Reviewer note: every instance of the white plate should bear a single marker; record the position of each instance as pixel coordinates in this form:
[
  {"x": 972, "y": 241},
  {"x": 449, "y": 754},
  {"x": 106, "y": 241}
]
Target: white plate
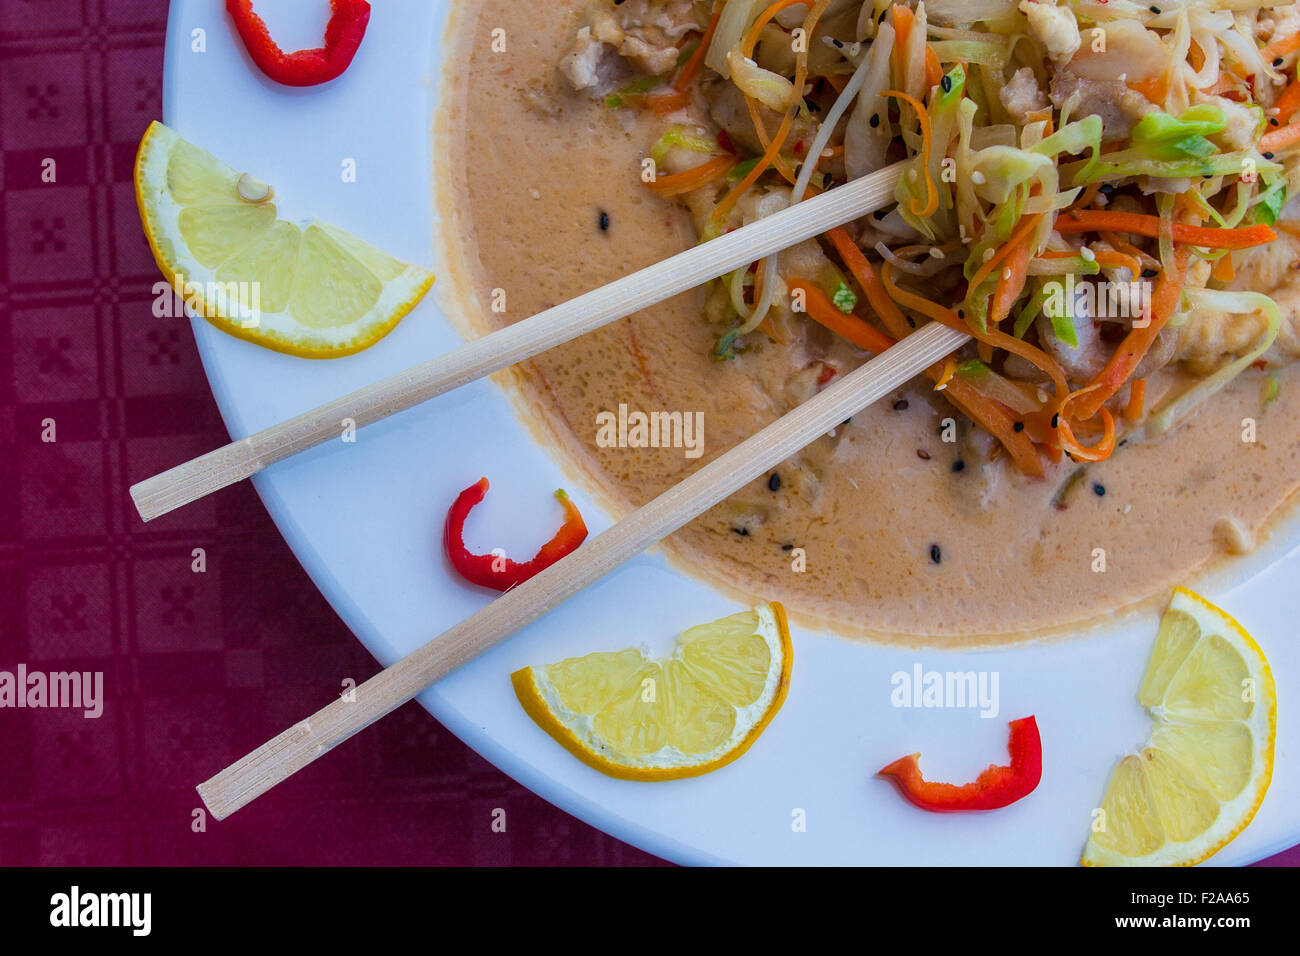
[{"x": 365, "y": 518}]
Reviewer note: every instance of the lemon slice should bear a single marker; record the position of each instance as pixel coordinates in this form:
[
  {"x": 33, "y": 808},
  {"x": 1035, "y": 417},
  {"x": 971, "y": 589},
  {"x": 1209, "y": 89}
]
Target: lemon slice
[
  {"x": 311, "y": 290},
  {"x": 642, "y": 719},
  {"x": 1207, "y": 764}
]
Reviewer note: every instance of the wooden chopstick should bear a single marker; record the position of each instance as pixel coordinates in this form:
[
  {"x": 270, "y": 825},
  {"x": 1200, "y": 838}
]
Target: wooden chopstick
[
  {"x": 217, "y": 469},
  {"x": 300, "y": 745}
]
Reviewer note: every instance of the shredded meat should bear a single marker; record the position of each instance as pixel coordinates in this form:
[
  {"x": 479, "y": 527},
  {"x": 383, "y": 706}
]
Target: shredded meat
[
  {"x": 1118, "y": 106},
  {"x": 1022, "y": 97}
]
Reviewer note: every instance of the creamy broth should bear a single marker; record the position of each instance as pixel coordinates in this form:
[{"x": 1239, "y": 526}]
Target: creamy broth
[{"x": 897, "y": 543}]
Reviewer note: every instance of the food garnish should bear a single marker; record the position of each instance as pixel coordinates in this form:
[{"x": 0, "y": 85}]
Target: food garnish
[
  {"x": 1133, "y": 148},
  {"x": 996, "y": 787},
  {"x": 343, "y": 35},
  {"x": 639, "y": 718},
  {"x": 495, "y": 570},
  {"x": 1208, "y": 761},
  {"x": 312, "y": 290}
]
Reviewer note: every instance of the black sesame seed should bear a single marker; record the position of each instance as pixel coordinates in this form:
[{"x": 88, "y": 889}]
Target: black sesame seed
[
  {"x": 774, "y": 483},
  {"x": 1155, "y": 10},
  {"x": 1148, "y": 273},
  {"x": 743, "y": 532},
  {"x": 839, "y": 44},
  {"x": 847, "y": 421},
  {"x": 1018, "y": 427},
  {"x": 604, "y": 221},
  {"x": 882, "y": 15},
  {"x": 1277, "y": 61},
  {"x": 1272, "y": 121},
  {"x": 936, "y": 554},
  {"x": 1268, "y": 155},
  {"x": 910, "y": 321},
  {"x": 959, "y": 465},
  {"x": 946, "y": 83},
  {"x": 1107, "y": 189},
  {"x": 874, "y": 121},
  {"x": 1056, "y": 420},
  {"x": 787, "y": 547},
  {"x": 961, "y": 313},
  {"x": 900, "y": 405},
  {"x": 1099, "y": 490}
]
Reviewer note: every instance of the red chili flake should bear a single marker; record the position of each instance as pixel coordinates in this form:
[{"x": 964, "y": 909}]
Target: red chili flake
[{"x": 828, "y": 373}]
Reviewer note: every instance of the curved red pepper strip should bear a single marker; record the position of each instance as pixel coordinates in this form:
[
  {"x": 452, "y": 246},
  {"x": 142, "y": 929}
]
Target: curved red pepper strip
[
  {"x": 348, "y": 20},
  {"x": 995, "y": 787},
  {"x": 493, "y": 571}
]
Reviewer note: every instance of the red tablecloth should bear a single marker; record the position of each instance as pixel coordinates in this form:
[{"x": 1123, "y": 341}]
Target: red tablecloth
[{"x": 198, "y": 667}]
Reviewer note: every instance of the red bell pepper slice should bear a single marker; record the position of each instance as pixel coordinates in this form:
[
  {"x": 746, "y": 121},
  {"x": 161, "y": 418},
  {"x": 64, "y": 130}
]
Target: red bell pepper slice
[
  {"x": 348, "y": 20},
  {"x": 495, "y": 571},
  {"x": 995, "y": 787}
]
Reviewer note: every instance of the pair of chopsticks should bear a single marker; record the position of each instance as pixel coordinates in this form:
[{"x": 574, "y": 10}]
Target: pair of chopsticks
[{"x": 300, "y": 745}]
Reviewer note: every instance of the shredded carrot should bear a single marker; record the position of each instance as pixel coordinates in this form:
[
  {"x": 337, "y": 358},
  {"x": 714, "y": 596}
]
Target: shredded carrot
[
  {"x": 870, "y": 284},
  {"x": 903, "y": 19},
  {"x": 822, "y": 310},
  {"x": 984, "y": 411},
  {"x": 1223, "y": 269},
  {"x": 1288, "y": 103},
  {"x": 1098, "y": 452},
  {"x": 1283, "y": 47},
  {"x": 692, "y": 67},
  {"x": 933, "y": 68},
  {"x": 1118, "y": 260},
  {"x": 1155, "y": 89},
  {"x": 670, "y": 101},
  {"x": 702, "y": 175},
  {"x": 1139, "y": 224},
  {"x": 1001, "y": 340},
  {"x": 1011, "y": 282},
  {"x": 1137, "y": 396},
  {"x": 1026, "y": 226},
  {"x": 1145, "y": 259},
  {"x": 949, "y": 370},
  {"x": 772, "y": 152},
  {"x": 747, "y": 49},
  {"x": 994, "y": 418},
  {"x": 1280, "y": 139},
  {"x": 1164, "y": 303},
  {"x": 927, "y": 136}
]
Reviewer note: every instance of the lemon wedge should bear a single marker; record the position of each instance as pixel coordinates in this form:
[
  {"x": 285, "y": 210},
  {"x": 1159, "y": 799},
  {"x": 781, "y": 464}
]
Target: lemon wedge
[
  {"x": 312, "y": 290},
  {"x": 1208, "y": 761},
  {"x": 643, "y": 719}
]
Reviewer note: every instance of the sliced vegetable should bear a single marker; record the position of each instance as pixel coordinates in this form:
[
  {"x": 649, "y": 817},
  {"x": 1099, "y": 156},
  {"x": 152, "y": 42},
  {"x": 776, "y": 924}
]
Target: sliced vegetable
[
  {"x": 494, "y": 570},
  {"x": 997, "y": 787},
  {"x": 1139, "y": 224},
  {"x": 343, "y": 36}
]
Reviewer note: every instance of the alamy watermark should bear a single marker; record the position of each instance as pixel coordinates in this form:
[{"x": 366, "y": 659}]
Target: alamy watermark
[
  {"x": 1098, "y": 300},
  {"x": 634, "y": 429},
  {"x": 239, "y": 302},
  {"x": 946, "y": 689},
  {"x": 74, "y": 690}
]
